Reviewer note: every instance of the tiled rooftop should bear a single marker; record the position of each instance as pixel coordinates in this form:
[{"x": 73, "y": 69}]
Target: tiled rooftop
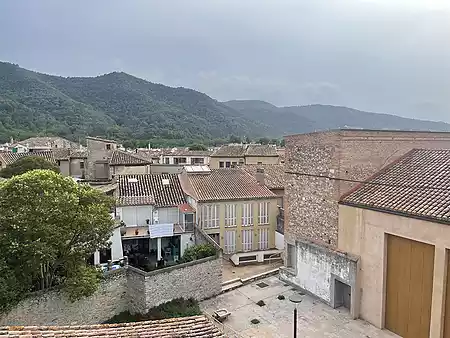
[
  {"x": 120, "y": 157},
  {"x": 274, "y": 176},
  {"x": 195, "y": 327},
  {"x": 418, "y": 184},
  {"x": 9, "y": 157},
  {"x": 261, "y": 150},
  {"x": 232, "y": 150},
  {"x": 48, "y": 141},
  {"x": 241, "y": 150},
  {"x": 162, "y": 190},
  {"x": 185, "y": 152},
  {"x": 223, "y": 185}
]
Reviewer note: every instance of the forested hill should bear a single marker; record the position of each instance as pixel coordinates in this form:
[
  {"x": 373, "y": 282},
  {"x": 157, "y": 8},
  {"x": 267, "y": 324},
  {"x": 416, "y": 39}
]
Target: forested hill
[
  {"x": 123, "y": 107},
  {"x": 302, "y": 119},
  {"x": 115, "y": 105}
]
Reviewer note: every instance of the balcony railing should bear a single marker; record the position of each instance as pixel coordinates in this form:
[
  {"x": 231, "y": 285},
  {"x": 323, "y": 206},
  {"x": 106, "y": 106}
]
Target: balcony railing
[{"x": 130, "y": 231}]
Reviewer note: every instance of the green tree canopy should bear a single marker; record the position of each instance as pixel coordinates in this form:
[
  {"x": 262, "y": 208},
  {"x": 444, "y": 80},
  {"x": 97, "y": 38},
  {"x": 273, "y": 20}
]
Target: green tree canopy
[
  {"x": 49, "y": 226},
  {"x": 27, "y": 163},
  {"x": 264, "y": 140},
  {"x": 197, "y": 146},
  {"x": 234, "y": 139}
]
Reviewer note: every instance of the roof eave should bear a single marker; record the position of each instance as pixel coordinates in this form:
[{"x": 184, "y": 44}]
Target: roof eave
[{"x": 395, "y": 212}]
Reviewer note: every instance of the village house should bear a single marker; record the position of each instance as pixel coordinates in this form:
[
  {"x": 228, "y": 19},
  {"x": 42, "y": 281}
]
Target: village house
[
  {"x": 238, "y": 213},
  {"x": 43, "y": 143},
  {"x": 320, "y": 168},
  {"x": 184, "y": 156},
  {"x": 398, "y": 224},
  {"x": 105, "y": 160},
  {"x": 156, "y": 220},
  {"x": 232, "y": 155},
  {"x": 273, "y": 177}
]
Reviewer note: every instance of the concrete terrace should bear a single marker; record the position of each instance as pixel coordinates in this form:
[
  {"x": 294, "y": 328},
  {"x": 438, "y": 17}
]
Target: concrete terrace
[{"x": 315, "y": 319}]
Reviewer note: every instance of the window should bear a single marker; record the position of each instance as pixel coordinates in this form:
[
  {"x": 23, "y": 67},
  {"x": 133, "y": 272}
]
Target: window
[
  {"x": 166, "y": 160},
  {"x": 233, "y": 164},
  {"x": 81, "y": 165},
  {"x": 227, "y": 164},
  {"x": 247, "y": 214},
  {"x": 197, "y": 160},
  {"x": 259, "y": 162},
  {"x": 210, "y": 216},
  {"x": 291, "y": 261},
  {"x": 221, "y": 164},
  {"x": 263, "y": 216},
  {"x": 230, "y": 215},
  {"x": 263, "y": 239},
  {"x": 108, "y": 147},
  {"x": 247, "y": 240},
  {"x": 230, "y": 242}
]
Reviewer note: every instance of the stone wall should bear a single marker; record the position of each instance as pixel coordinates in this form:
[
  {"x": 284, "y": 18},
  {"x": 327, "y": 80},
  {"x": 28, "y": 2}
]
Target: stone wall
[
  {"x": 199, "y": 279},
  {"x": 126, "y": 289},
  {"x": 311, "y": 209},
  {"x": 53, "y": 308},
  {"x": 316, "y": 270}
]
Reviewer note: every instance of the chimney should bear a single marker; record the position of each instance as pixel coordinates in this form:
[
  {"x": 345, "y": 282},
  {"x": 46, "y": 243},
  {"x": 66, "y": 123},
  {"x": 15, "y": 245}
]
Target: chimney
[{"x": 260, "y": 176}]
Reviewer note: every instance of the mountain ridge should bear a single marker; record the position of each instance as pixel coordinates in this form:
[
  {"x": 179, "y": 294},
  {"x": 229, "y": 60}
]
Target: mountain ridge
[{"x": 124, "y": 107}]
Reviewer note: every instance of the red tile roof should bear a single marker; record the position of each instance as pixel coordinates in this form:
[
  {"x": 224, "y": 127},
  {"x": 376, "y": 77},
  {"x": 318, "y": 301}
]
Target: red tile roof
[
  {"x": 416, "y": 185},
  {"x": 196, "y": 326},
  {"x": 9, "y": 157},
  {"x": 162, "y": 190},
  {"x": 224, "y": 185},
  {"x": 274, "y": 176},
  {"x": 120, "y": 157}
]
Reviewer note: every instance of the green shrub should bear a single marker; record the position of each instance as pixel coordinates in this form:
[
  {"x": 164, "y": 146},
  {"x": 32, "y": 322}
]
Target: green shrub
[
  {"x": 178, "y": 307},
  {"x": 198, "y": 252}
]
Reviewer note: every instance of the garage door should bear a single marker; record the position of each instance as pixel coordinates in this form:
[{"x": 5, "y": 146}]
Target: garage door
[
  {"x": 409, "y": 285},
  {"x": 447, "y": 301}
]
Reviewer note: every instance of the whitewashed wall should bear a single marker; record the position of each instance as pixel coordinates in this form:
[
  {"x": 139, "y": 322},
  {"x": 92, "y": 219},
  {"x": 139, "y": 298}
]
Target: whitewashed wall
[{"x": 135, "y": 215}]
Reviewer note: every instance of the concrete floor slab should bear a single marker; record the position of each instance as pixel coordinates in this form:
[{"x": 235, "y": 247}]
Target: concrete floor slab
[
  {"x": 315, "y": 319},
  {"x": 229, "y": 271}
]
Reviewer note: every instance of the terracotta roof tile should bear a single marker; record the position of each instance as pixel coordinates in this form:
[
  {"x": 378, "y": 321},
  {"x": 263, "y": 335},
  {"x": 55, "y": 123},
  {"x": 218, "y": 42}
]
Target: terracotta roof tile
[
  {"x": 223, "y": 185},
  {"x": 418, "y": 184},
  {"x": 162, "y": 190},
  {"x": 274, "y": 176},
  {"x": 231, "y": 150},
  {"x": 196, "y": 326},
  {"x": 120, "y": 157},
  {"x": 261, "y": 150},
  {"x": 47, "y": 141},
  {"x": 9, "y": 157}
]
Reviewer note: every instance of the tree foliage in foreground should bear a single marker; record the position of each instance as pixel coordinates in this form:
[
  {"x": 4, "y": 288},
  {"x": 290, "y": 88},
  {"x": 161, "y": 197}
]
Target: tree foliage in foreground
[
  {"x": 49, "y": 226},
  {"x": 26, "y": 164}
]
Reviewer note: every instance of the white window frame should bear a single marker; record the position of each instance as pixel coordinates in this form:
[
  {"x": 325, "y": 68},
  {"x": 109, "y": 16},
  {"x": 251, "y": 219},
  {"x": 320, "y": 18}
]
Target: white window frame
[
  {"x": 263, "y": 213},
  {"x": 210, "y": 216},
  {"x": 247, "y": 214},
  {"x": 263, "y": 240},
  {"x": 229, "y": 246},
  {"x": 230, "y": 215},
  {"x": 247, "y": 240}
]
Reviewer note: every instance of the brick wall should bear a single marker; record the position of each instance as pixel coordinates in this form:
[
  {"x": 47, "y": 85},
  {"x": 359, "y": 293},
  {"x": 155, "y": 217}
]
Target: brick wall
[
  {"x": 311, "y": 209},
  {"x": 53, "y": 308}
]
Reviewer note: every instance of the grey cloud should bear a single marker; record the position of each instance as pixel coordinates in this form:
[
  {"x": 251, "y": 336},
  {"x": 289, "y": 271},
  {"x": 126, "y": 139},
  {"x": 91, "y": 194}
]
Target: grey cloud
[{"x": 383, "y": 55}]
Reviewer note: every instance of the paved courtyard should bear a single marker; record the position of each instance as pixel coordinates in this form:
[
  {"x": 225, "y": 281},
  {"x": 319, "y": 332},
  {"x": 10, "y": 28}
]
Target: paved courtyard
[
  {"x": 230, "y": 271},
  {"x": 315, "y": 319}
]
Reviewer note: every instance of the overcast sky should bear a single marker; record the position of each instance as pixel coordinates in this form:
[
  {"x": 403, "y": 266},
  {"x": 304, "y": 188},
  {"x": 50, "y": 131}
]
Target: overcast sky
[{"x": 379, "y": 55}]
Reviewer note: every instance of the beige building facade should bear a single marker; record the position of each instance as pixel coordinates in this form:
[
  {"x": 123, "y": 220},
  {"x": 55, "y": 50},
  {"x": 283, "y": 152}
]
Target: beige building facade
[{"x": 365, "y": 233}]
